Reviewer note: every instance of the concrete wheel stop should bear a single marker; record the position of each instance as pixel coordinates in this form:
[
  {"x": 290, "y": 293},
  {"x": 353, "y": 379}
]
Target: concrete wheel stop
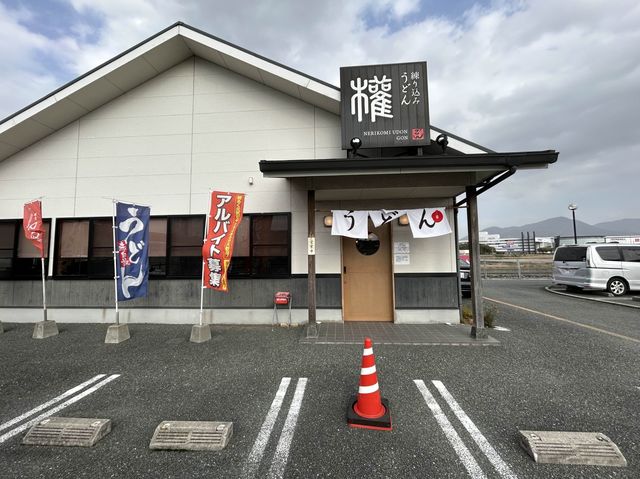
[
  {"x": 564, "y": 447},
  {"x": 200, "y": 333},
  {"x": 45, "y": 329},
  {"x": 67, "y": 431},
  {"x": 117, "y": 333},
  {"x": 192, "y": 435}
]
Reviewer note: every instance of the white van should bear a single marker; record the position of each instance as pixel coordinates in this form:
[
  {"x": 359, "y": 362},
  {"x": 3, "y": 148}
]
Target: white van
[{"x": 605, "y": 266}]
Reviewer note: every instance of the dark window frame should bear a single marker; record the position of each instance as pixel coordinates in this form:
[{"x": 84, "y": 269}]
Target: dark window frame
[
  {"x": 168, "y": 266},
  {"x": 624, "y": 255},
  {"x": 251, "y": 274},
  {"x": 155, "y": 276},
  {"x": 180, "y": 275},
  {"x": 15, "y": 273},
  {"x": 89, "y": 257},
  {"x": 570, "y": 254},
  {"x": 603, "y": 250}
]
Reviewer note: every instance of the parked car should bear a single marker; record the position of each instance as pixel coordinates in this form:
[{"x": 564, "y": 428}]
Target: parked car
[
  {"x": 465, "y": 277},
  {"x": 601, "y": 267}
]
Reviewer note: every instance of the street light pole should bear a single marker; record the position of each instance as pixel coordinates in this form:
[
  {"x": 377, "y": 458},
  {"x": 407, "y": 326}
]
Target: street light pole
[{"x": 573, "y": 209}]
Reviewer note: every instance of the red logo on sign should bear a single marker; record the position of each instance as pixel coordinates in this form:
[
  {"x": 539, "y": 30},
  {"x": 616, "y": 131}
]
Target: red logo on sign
[
  {"x": 123, "y": 252},
  {"x": 437, "y": 216},
  {"x": 417, "y": 134}
]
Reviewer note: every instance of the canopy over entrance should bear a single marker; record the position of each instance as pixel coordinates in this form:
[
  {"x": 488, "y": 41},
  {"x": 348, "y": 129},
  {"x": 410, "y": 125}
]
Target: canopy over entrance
[{"x": 422, "y": 176}]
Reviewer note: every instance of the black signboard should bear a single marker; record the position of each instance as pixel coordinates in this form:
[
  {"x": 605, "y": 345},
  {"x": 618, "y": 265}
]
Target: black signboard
[{"x": 385, "y": 105}]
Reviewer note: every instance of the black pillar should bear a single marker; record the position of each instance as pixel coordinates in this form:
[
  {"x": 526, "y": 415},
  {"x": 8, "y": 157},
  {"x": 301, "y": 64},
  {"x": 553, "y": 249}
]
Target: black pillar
[
  {"x": 312, "y": 329},
  {"x": 456, "y": 239},
  {"x": 477, "y": 330}
]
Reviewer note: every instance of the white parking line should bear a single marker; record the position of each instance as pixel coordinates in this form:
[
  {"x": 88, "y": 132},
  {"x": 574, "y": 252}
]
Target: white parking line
[
  {"x": 495, "y": 459},
  {"x": 255, "y": 456},
  {"x": 45, "y": 405},
  {"x": 58, "y": 408},
  {"x": 461, "y": 450},
  {"x": 282, "y": 450}
]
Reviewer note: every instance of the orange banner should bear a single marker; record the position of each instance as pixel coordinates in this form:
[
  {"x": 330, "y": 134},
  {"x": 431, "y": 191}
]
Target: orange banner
[
  {"x": 32, "y": 224},
  {"x": 224, "y": 218}
]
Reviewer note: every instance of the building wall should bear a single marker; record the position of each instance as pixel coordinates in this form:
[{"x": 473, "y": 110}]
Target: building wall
[{"x": 166, "y": 143}]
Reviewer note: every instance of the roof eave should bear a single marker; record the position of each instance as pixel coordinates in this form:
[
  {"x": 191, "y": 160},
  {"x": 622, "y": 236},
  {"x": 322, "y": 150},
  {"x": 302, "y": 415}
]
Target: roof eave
[{"x": 406, "y": 165}]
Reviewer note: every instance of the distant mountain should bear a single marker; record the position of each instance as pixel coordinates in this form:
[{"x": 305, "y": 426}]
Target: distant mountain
[
  {"x": 626, "y": 226},
  {"x": 561, "y": 226}
]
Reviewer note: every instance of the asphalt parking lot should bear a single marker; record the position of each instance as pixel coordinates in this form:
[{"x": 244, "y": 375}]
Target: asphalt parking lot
[{"x": 547, "y": 374}]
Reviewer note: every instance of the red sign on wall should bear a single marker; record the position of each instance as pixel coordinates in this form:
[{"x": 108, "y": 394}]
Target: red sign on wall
[{"x": 224, "y": 218}]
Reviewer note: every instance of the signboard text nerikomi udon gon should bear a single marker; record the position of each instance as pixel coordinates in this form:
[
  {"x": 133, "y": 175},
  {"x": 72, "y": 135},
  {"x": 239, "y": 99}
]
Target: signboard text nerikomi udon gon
[{"x": 385, "y": 105}]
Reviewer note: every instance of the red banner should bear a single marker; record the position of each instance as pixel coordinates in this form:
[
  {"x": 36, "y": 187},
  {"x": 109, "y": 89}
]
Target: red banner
[
  {"x": 224, "y": 219},
  {"x": 32, "y": 224}
]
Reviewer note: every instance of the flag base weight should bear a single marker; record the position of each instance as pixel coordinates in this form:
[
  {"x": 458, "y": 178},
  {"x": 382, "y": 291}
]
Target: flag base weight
[
  {"x": 45, "y": 329},
  {"x": 382, "y": 423},
  {"x": 200, "y": 333},
  {"x": 117, "y": 333}
]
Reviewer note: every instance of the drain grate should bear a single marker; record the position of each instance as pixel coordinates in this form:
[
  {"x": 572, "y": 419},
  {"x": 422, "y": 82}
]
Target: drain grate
[
  {"x": 192, "y": 435},
  {"x": 557, "y": 447},
  {"x": 67, "y": 431}
]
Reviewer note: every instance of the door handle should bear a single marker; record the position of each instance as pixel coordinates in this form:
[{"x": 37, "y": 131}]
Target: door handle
[{"x": 344, "y": 268}]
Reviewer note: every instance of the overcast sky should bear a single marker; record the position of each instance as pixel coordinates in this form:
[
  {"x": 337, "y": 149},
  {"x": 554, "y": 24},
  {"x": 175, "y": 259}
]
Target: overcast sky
[{"x": 509, "y": 75}]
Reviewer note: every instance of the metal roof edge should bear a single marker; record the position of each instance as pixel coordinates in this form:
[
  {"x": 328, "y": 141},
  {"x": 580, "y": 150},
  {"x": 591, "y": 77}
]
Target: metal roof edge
[
  {"x": 90, "y": 72},
  {"x": 508, "y": 159},
  {"x": 175, "y": 25},
  {"x": 257, "y": 55},
  {"x": 464, "y": 140}
]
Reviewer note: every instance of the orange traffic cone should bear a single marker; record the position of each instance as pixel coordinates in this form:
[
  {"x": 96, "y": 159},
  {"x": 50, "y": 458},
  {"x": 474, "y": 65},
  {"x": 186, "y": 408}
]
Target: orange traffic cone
[{"x": 369, "y": 410}]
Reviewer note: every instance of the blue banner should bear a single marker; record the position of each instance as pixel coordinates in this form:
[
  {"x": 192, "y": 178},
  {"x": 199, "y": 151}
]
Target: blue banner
[{"x": 132, "y": 246}]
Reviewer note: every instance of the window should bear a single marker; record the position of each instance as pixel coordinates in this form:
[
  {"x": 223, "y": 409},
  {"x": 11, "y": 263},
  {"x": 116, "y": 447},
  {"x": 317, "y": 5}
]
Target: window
[
  {"x": 184, "y": 258},
  {"x": 631, "y": 253},
  {"x": 84, "y": 248},
  {"x": 369, "y": 246},
  {"x": 158, "y": 247},
  {"x": 571, "y": 253},
  {"x": 7, "y": 248},
  {"x": 608, "y": 253},
  {"x": 19, "y": 258},
  {"x": 262, "y": 246},
  {"x": 101, "y": 255}
]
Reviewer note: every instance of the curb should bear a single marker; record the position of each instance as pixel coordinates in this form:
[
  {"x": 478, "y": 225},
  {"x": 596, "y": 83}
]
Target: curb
[{"x": 561, "y": 293}]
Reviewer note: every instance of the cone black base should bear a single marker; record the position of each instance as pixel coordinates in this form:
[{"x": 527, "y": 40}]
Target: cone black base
[{"x": 382, "y": 423}]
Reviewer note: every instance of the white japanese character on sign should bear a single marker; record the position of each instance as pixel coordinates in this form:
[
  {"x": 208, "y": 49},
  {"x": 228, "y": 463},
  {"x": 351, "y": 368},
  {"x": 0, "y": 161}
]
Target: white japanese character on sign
[
  {"x": 222, "y": 218},
  {"x": 380, "y": 97},
  {"x": 214, "y": 279},
  {"x": 410, "y": 92},
  {"x": 359, "y": 100},
  {"x": 378, "y": 100},
  {"x": 214, "y": 265}
]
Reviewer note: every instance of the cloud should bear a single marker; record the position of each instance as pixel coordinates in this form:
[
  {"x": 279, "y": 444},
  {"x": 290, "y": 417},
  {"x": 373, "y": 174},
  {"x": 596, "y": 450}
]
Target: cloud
[{"x": 511, "y": 75}]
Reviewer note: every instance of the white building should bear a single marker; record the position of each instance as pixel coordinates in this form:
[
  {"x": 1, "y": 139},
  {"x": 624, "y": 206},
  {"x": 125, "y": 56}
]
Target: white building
[{"x": 184, "y": 112}]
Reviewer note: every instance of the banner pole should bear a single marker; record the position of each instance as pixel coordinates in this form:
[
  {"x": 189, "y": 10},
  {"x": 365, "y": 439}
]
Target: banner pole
[
  {"x": 115, "y": 261},
  {"x": 204, "y": 239},
  {"x": 44, "y": 290}
]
